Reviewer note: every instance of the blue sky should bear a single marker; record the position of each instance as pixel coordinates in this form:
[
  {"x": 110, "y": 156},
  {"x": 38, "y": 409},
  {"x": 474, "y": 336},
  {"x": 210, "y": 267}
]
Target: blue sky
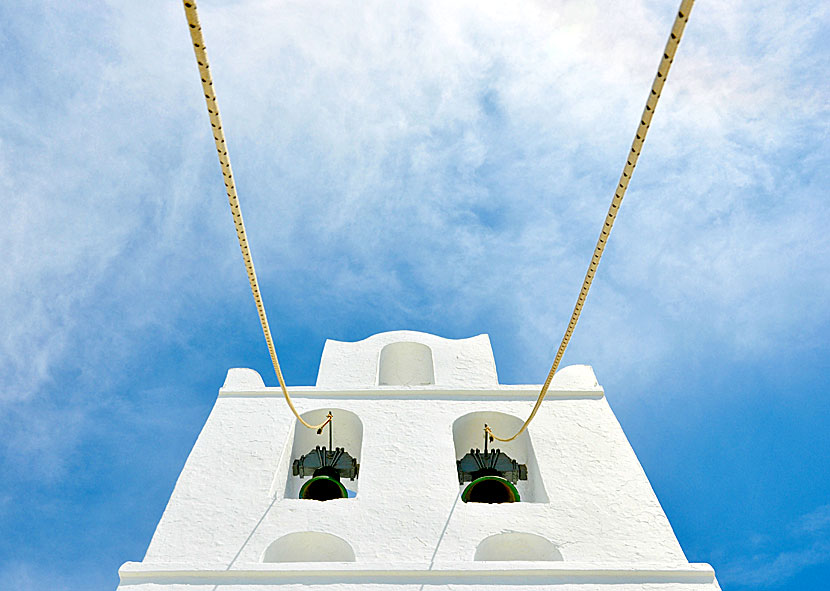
[{"x": 424, "y": 165}]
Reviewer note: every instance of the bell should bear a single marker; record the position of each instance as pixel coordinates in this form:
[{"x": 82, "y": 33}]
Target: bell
[
  {"x": 490, "y": 489},
  {"x": 326, "y": 469},
  {"x": 323, "y": 488}
]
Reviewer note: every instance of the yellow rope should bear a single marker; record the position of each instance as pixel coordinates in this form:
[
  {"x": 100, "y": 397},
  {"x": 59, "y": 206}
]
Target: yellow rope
[
  {"x": 233, "y": 199},
  {"x": 628, "y": 169}
]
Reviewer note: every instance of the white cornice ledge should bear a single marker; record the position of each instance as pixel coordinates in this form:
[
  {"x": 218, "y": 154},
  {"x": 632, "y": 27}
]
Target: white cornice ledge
[
  {"x": 503, "y": 392},
  {"x": 491, "y": 573}
]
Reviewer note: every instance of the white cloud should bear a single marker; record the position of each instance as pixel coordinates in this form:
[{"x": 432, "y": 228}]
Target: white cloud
[
  {"x": 807, "y": 546},
  {"x": 434, "y": 159},
  {"x": 773, "y": 570},
  {"x": 814, "y": 522},
  {"x": 416, "y": 163}
]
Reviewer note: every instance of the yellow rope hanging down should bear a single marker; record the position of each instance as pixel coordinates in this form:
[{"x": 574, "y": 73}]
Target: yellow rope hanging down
[
  {"x": 230, "y": 186},
  {"x": 628, "y": 169}
]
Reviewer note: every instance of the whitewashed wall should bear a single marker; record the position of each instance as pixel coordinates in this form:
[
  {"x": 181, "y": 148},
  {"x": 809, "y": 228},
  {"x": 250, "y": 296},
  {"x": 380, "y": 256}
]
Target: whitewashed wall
[{"x": 407, "y": 526}]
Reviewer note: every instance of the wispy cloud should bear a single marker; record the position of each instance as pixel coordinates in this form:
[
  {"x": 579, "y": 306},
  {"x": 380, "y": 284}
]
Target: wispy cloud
[
  {"x": 436, "y": 159},
  {"x": 814, "y": 522},
  {"x": 430, "y": 156},
  {"x": 778, "y": 568},
  {"x": 806, "y": 545},
  {"x": 418, "y": 163}
]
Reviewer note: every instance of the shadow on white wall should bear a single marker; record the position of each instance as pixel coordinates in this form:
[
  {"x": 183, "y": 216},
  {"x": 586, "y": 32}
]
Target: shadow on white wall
[
  {"x": 517, "y": 546},
  {"x": 309, "y": 546},
  {"x": 406, "y": 364}
]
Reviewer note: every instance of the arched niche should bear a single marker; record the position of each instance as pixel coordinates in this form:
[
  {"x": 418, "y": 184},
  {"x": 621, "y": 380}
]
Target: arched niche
[
  {"x": 468, "y": 433},
  {"x": 347, "y": 433},
  {"x": 309, "y": 546},
  {"x": 405, "y": 364},
  {"x": 517, "y": 546}
]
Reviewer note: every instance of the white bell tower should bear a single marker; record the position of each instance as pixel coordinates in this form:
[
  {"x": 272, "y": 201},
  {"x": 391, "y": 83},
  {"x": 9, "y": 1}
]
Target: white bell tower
[{"x": 402, "y": 491}]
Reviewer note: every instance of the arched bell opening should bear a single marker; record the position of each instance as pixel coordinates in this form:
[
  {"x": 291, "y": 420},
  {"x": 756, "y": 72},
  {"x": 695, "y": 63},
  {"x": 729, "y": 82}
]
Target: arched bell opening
[
  {"x": 325, "y": 463},
  {"x": 490, "y": 489},
  {"x": 492, "y": 471}
]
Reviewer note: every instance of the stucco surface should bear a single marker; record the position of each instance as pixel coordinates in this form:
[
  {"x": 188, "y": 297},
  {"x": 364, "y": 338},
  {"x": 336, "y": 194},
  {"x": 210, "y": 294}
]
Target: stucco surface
[
  {"x": 428, "y": 587},
  {"x": 457, "y": 362},
  {"x": 229, "y": 503}
]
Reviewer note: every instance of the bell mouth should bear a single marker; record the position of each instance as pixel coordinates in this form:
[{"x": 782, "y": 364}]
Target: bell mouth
[
  {"x": 323, "y": 488},
  {"x": 490, "y": 489}
]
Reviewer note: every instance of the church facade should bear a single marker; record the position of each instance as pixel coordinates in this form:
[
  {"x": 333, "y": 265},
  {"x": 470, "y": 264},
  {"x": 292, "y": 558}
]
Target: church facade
[{"x": 403, "y": 489}]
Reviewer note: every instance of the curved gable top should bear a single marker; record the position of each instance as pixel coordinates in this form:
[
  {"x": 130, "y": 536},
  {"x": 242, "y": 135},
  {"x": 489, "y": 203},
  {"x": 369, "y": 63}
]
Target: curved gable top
[{"x": 456, "y": 363}]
